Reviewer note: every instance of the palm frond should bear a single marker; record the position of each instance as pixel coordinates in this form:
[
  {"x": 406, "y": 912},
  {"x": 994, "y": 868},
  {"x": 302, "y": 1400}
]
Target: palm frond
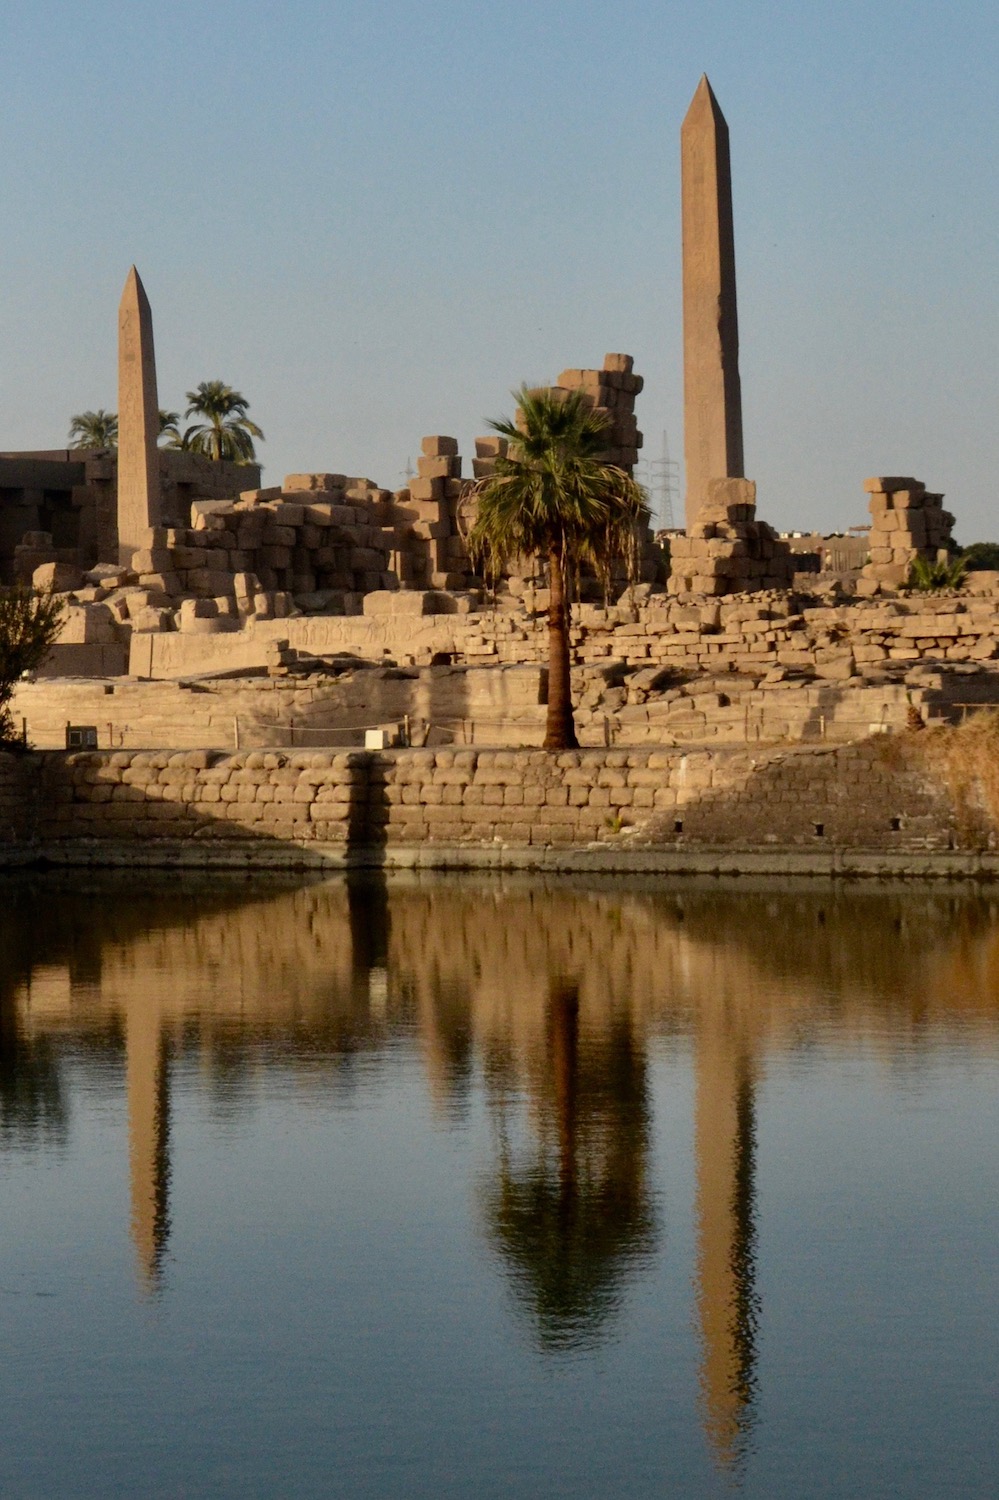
[{"x": 94, "y": 429}]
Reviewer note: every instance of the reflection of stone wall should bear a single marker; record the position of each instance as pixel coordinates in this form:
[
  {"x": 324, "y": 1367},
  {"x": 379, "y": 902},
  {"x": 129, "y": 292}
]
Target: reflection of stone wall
[{"x": 545, "y": 1000}]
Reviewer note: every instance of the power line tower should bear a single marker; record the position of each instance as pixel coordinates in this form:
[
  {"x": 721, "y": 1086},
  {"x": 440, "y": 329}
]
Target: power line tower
[{"x": 661, "y": 477}]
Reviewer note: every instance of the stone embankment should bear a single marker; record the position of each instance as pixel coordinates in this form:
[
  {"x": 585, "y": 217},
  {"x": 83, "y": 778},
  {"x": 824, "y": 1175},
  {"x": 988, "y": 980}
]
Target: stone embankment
[{"x": 875, "y": 800}]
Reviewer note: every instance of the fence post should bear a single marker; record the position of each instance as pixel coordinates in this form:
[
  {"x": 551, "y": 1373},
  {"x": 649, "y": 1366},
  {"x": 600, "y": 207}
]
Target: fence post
[{"x": 235, "y": 731}]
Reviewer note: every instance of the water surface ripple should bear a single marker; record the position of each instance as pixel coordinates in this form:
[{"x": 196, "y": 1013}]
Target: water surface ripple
[{"x": 435, "y": 1187}]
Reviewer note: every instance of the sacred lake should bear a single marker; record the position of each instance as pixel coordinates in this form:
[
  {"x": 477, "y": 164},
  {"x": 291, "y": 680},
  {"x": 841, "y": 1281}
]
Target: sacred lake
[{"x": 497, "y": 1186}]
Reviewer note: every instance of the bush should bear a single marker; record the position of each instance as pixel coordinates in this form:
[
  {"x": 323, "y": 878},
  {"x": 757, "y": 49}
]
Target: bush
[
  {"x": 927, "y": 577},
  {"x": 29, "y": 625}
]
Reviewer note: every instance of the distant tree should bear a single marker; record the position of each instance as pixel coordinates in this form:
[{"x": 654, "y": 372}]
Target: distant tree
[
  {"x": 555, "y": 498},
  {"x": 981, "y": 557},
  {"x": 226, "y": 431},
  {"x": 29, "y": 625},
  {"x": 170, "y": 429},
  {"x": 94, "y": 429}
]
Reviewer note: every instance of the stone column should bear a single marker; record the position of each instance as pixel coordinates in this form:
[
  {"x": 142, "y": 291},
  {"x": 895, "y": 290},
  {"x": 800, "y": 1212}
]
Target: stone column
[
  {"x": 138, "y": 421},
  {"x": 712, "y": 394}
]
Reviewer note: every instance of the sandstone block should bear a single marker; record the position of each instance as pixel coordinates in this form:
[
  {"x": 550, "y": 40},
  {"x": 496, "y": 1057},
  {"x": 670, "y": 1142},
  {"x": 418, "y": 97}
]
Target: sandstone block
[
  {"x": 890, "y": 483},
  {"x": 183, "y": 559},
  {"x": 57, "y": 578},
  {"x": 168, "y": 584},
  {"x": 427, "y": 489},
  {"x": 88, "y": 625},
  {"x": 439, "y": 447},
  {"x": 152, "y": 621},
  {"x": 314, "y": 482},
  {"x": 439, "y": 467},
  {"x": 152, "y": 560},
  {"x": 254, "y": 497}
]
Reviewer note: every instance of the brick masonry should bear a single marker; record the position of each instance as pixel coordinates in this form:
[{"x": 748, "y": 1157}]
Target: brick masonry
[{"x": 875, "y": 796}]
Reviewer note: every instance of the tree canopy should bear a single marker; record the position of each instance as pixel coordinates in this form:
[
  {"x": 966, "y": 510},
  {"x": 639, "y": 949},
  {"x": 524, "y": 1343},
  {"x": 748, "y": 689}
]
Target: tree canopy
[
  {"x": 94, "y": 429},
  {"x": 226, "y": 431},
  {"x": 29, "y": 625}
]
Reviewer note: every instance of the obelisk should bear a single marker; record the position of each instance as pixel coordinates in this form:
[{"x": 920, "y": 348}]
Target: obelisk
[
  {"x": 712, "y": 397},
  {"x": 138, "y": 421}
]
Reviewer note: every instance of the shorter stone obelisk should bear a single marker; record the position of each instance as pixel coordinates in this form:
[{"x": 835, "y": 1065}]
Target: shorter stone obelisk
[
  {"x": 138, "y": 421},
  {"x": 712, "y": 396}
]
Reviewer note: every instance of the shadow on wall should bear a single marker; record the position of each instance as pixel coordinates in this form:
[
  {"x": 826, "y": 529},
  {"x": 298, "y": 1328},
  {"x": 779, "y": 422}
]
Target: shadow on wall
[{"x": 868, "y": 796}]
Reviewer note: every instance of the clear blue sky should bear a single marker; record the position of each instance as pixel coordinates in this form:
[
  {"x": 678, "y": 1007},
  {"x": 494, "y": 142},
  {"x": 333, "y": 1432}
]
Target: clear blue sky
[{"x": 375, "y": 217}]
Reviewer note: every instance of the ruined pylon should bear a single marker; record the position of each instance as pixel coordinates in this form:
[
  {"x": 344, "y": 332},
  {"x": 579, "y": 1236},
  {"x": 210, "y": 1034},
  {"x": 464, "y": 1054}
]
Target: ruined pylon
[
  {"x": 138, "y": 421},
  {"x": 711, "y": 391}
]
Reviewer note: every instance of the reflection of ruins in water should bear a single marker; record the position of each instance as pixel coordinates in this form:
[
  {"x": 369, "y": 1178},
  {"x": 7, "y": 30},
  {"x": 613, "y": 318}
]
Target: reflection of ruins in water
[
  {"x": 548, "y": 996},
  {"x": 571, "y": 1212}
]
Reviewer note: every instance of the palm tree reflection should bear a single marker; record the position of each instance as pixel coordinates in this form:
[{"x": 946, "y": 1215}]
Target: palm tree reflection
[{"x": 571, "y": 1214}]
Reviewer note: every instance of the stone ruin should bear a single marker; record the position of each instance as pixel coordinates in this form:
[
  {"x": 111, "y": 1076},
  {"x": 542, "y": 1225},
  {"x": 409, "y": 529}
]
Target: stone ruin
[
  {"x": 726, "y": 550},
  {"x": 907, "y": 522},
  {"x": 612, "y": 391}
]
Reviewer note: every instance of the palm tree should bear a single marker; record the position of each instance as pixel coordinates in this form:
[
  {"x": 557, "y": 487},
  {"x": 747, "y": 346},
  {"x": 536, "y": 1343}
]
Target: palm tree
[
  {"x": 553, "y": 496},
  {"x": 227, "y": 431},
  {"x": 170, "y": 429},
  {"x": 94, "y": 429}
]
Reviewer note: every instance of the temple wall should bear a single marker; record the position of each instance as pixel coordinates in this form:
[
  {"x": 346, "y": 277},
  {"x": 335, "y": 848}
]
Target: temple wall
[
  {"x": 261, "y": 806},
  {"x": 745, "y": 672}
]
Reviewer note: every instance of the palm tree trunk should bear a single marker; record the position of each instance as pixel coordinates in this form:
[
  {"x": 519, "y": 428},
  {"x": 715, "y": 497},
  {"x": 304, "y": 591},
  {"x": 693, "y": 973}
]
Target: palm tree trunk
[
  {"x": 563, "y": 1022},
  {"x": 560, "y": 730}
]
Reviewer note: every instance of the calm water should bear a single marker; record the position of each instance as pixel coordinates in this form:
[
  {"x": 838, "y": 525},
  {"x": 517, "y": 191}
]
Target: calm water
[{"x": 469, "y": 1188}]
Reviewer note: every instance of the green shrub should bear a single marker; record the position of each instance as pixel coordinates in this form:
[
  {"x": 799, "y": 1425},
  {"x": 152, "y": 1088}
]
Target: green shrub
[
  {"x": 926, "y": 577},
  {"x": 29, "y": 625}
]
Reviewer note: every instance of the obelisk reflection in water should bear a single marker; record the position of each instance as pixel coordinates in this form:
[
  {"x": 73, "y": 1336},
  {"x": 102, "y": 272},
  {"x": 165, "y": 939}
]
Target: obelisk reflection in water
[
  {"x": 545, "y": 1007},
  {"x": 148, "y": 1083},
  {"x": 725, "y": 1144}
]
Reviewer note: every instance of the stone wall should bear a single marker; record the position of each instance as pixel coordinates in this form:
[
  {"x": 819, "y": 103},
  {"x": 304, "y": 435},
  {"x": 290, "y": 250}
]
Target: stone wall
[
  {"x": 745, "y": 671},
  {"x": 727, "y": 550},
  {"x": 833, "y": 639},
  {"x": 19, "y": 783},
  {"x": 874, "y": 796},
  {"x": 62, "y": 507},
  {"x": 496, "y": 705},
  {"x": 906, "y": 523}
]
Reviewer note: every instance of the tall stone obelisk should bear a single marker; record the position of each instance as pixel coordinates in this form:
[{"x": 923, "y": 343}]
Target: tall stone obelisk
[
  {"x": 712, "y": 396},
  {"x": 138, "y": 420}
]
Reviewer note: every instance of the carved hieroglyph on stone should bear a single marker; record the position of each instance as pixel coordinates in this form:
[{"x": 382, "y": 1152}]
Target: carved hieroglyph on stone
[
  {"x": 711, "y": 391},
  {"x": 138, "y": 421}
]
